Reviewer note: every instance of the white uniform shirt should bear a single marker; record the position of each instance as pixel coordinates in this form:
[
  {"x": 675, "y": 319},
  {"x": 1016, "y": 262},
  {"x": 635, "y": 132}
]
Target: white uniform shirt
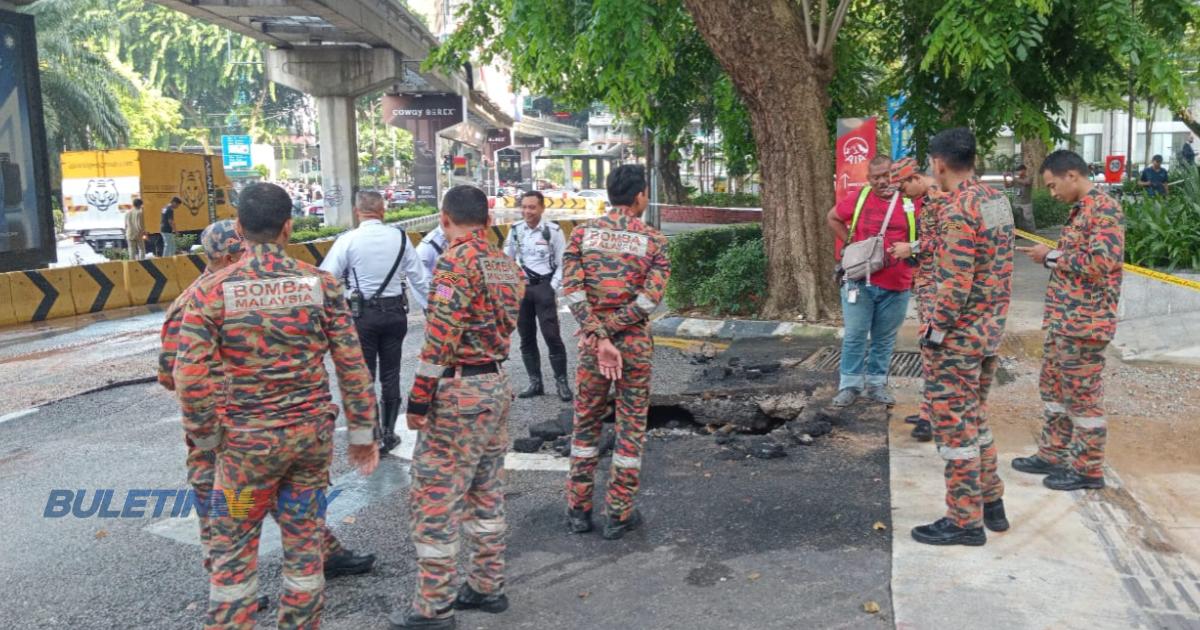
[
  {"x": 431, "y": 248},
  {"x": 369, "y": 252},
  {"x": 536, "y": 252}
]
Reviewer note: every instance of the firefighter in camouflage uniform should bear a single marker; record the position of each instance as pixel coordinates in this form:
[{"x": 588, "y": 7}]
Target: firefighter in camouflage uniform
[
  {"x": 459, "y": 403},
  {"x": 615, "y": 270},
  {"x": 923, "y": 252},
  {"x": 1080, "y": 319},
  {"x": 223, "y": 246},
  {"x": 960, "y": 338},
  {"x": 252, "y": 385}
]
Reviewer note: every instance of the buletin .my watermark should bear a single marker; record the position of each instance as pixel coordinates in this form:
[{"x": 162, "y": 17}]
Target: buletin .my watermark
[{"x": 181, "y": 502}]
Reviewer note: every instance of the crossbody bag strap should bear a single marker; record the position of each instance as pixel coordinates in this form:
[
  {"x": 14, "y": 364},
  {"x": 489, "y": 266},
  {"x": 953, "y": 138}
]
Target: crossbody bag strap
[
  {"x": 887, "y": 218},
  {"x": 392, "y": 272}
]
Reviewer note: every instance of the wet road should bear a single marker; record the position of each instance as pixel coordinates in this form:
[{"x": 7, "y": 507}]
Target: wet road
[{"x": 782, "y": 543}]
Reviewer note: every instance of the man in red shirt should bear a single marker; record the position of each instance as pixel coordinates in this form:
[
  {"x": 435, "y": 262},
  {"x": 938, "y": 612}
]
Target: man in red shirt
[{"x": 873, "y": 308}]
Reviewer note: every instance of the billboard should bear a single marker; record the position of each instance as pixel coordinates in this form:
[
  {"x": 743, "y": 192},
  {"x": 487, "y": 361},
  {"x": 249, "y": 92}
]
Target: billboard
[
  {"x": 235, "y": 152},
  {"x": 901, "y": 130},
  {"x": 424, "y": 115},
  {"x": 26, "y": 217},
  {"x": 855, "y": 148}
]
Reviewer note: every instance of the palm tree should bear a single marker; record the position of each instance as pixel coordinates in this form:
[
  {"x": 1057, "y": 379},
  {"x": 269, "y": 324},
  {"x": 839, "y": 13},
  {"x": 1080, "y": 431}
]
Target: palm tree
[{"x": 79, "y": 84}]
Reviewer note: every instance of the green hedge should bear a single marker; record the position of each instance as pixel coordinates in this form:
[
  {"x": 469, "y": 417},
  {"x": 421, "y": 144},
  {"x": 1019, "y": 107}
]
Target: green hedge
[
  {"x": 1164, "y": 232},
  {"x": 727, "y": 200},
  {"x": 409, "y": 212},
  {"x": 1048, "y": 211},
  {"x": 722, "y": 270},
  {"x": 303, "y": 236}
]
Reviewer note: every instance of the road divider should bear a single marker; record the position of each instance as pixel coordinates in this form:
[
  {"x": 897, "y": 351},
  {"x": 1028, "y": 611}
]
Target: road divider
[
  {"x": 34, "y": 296},
  {"x": 42, "y": 294},
  {"x": 99, "y": 287},
  {"x": 153, "y": 280},
  {"x": 7, "y": 316},
  {"x": 1135, "y": 269},
  {"x": 189, "y": 267}
]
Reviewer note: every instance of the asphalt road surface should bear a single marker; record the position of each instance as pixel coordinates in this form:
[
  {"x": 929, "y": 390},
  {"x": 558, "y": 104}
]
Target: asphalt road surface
[{"x": 729, "y": 543}]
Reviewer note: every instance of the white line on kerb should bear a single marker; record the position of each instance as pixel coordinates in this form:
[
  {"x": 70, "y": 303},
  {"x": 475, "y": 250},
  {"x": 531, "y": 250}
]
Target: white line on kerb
[{"x": 18, "y": 414}]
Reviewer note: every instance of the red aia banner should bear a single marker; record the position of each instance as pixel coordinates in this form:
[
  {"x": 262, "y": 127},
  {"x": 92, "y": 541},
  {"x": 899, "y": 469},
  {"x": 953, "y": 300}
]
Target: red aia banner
[{"x": 855, "y": 148}]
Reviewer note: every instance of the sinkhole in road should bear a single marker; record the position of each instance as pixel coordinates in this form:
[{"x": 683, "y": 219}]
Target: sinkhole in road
[{"x": 671, "y": 417}]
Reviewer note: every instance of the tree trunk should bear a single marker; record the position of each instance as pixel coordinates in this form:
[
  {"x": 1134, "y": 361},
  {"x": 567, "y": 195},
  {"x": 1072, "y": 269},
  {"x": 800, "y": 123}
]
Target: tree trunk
[
  {"x": 1074, "y": 141},
  {"x": 1033, "y": 153},
  {"x": 1149, "y": 129},
  {"x": 1185, "y": 116},
  {"x": 761, "y": 44},
  {"x": 672, "y": 182}
]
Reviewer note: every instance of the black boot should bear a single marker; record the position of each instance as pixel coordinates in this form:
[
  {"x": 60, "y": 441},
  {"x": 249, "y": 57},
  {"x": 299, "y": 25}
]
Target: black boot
[
  {"x": 615, "y": 528},
  {"x": 1070, "y": 480},
  {"x": 945, "y": 532},
  {"x": 994, "y": 517},
  {"x": 558, "y": 362},
  {"x": 923, "y": 431},
  {"x": 409, "y": 620},
  {"x": 579, "y": 521},
  {"x": 471, "y": 599},
  {"x": 1034, "y": 465},
  {"x": 346, "y": 562},
  {"x": 533, "y": 368},
  {"x": 263, "y": 603},
  {"x": 391, "y": 411}
]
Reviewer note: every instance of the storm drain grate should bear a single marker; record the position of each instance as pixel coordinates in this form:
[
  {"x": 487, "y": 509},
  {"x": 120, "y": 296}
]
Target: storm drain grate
[{"x": 905, "y": 364}]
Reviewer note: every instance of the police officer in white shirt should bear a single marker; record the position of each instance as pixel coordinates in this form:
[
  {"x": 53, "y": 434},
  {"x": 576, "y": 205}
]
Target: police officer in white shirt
[
  {"x": 373, "y": 261},
  {"x": 538, "y": 246},
  {"x": 431, "y": 247}
]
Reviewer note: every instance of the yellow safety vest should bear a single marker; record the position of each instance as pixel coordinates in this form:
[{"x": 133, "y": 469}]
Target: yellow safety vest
[{"x": 910, "y": 212}]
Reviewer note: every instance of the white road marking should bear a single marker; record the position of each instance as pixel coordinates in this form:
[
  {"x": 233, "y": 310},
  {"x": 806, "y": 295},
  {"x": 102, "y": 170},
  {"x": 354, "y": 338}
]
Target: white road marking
[
  {"x": 536, "y": 461},
  {"x": 19, "y": 414}
]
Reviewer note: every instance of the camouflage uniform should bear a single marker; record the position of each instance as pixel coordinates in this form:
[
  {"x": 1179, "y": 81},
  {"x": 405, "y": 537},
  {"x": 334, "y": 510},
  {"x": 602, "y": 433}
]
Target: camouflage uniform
[
  {"x": 1080, "y": 320},
  {"x": 965, "y": 324},
  {"x": 615, "y": 270},
  {"x": 458, "y": 478},
  {"x": 252, "y": 382},
  {"x": 218, "y": 238}
]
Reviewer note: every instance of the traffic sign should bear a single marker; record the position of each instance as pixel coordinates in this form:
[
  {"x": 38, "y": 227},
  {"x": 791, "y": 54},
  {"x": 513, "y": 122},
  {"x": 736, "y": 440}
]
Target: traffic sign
[{"x": 235, "y": 151}]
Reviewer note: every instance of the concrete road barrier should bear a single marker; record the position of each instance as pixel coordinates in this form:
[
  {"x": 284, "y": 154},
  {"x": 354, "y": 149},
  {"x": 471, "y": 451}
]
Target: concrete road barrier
[
  {"x": 7, "y": 316},
  {"x": 188, "y": 268},
  {"x": 42, "y": 294},
  {"x": 98, "y": 287},
  {"x": 153, "y": 280}
]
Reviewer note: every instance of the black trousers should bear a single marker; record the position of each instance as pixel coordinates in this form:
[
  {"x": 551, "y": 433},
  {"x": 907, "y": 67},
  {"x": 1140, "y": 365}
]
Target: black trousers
[
  {"x": 381, "y": 332},
  {"x": 539, "y": 309}
]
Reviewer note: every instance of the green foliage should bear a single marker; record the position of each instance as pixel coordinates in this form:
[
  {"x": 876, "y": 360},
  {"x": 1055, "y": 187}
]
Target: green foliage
[
  {"x": 304, "y": 236},
  {"x": 1165, "y": 232},
  {"x": 696, "y": 259},
  {"x": 302, "y": 224},
  {"x": 1048, "y": 211},
  {"x": 58, "y": 221},
  {"x": 727, "y": 200},
  {"x": 739, "y": 285},
  {"x": 185, "y": 242},
  {"x": 153, "y": 118},
  {"x": 409, "y": 212},
  {"x": 262, "y": 170},
  {"x": 115, "y": 253},
  {"x": 988, "y": 64},
  {"x": 81, "y": 89}
]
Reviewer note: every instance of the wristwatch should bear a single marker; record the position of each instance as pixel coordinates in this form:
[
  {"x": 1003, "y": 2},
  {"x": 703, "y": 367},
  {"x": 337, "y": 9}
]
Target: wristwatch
[
  {"x": 1052, "y": 258},
  {"x": 916, "y": 247}
]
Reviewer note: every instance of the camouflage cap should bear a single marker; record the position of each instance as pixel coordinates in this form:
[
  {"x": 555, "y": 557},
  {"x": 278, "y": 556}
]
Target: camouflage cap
[
  {"x": 221, "y": 238},
  {"x": 903, "y": 169}
]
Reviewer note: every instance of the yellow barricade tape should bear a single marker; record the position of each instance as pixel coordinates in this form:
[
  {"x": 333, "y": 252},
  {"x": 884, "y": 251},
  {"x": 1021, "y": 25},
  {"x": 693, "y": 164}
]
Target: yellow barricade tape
[{"x": 1141, "y": 271}]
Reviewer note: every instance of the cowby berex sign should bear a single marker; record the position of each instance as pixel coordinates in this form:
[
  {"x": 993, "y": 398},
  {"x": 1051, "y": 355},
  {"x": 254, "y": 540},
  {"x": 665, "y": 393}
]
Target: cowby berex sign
[
  {"x": 854, "y": 150},
  {"x": 424, "y": 115}
]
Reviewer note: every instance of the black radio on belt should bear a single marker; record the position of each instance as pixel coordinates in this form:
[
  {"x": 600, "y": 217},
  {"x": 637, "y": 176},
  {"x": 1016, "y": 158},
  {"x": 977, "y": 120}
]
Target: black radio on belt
[{"x": 357, "y": 300}]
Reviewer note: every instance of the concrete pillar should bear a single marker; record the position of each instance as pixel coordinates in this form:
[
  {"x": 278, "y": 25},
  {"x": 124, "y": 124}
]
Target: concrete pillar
[
  {"x": 339, "y": 157},
  {"x": 334, "y": 76}
]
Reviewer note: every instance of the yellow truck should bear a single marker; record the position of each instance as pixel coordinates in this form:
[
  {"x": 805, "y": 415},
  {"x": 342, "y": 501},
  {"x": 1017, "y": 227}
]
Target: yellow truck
[{"x": 99, "y": 188}]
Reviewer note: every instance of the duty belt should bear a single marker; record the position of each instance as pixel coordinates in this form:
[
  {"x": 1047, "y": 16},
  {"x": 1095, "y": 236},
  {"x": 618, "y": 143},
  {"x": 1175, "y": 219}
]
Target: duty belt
[
  {"x": 464, "y": 371},
  {"x": 389, "y": 303},
  {"x": 534, "y": 278}
]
